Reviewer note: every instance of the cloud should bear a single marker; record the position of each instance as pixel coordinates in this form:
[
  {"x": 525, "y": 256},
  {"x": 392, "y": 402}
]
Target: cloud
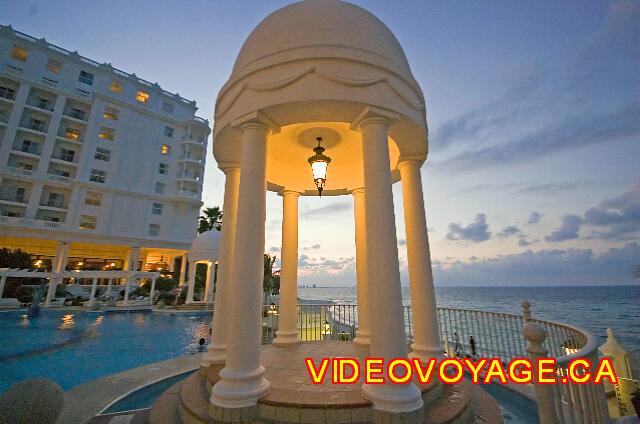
[
  {"x": 534, "y": 218},
  {"x": 509, "y": 230},
  {"x": 572, "y": 132},
  {"x": 312, "y": 247},
  {"x": 568, "y": 230},
  {"x": 577, "y": 95},
  {"x": 273, "y": 249},
  {"x": 476, "y": 231},
  {"x": 328, "y": 210},
  {"x": 402, "y": 242},
  {"x": 546, "y": 267},
  {"x": 616, "y": 218},
  {"x": 326, "y": 269}
]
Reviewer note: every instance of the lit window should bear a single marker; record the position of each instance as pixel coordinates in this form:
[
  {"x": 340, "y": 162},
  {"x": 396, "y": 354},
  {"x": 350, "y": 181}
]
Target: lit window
[
  {"x": 114, "y": 87},
  {"x": 102, "y": 154},
  {"x": 98, "y": 176},
  {"x": 88, "y": 222},
  {"x": 165, "y": 149},
  {"x": 167, "y": 107},
  {"x": 107, "y": 133},
  {"x": 156, "y": 209},
  {"x": 19, "y": 53},
  {"x": 154, "y": 229},
  {"x": 92, "y": 198},
  {"x": 142, "y": 97},
  {"x": 163, "y": 168},
  {"x": 86, "y": 78},
  {"x": 110, "y": 113},
  {"x": 160, "y": 188},
  {"x": 168, "y": 131},
  {"x": 54, "y": 66},
  {"x": 72, "y": 134}
]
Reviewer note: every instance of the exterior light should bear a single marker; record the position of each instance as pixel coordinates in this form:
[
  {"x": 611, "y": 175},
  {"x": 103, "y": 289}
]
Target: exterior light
[
  {"x": 326, "y": 327},
  {"x": 319, "y": 163}
]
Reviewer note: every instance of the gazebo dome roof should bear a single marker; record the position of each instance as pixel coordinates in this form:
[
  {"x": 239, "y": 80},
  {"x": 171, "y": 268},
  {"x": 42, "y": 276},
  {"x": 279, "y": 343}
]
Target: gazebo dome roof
[
  {"x": 313, "y": 28},
  {"x": 205, "y": 246}
]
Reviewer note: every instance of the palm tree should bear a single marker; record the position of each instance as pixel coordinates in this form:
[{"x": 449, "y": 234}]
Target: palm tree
[
  {"x": 211, "y": 219},
  {"x": 267, "y": 282}
]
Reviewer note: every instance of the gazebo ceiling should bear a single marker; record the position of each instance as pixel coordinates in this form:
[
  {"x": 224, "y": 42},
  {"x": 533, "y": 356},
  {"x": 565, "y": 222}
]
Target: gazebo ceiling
[{"x": 288, "y": 150}]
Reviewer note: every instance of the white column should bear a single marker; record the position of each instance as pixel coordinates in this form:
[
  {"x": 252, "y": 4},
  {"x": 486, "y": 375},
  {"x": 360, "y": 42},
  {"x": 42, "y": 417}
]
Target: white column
[
  {"x": 59, "y": 264},
  {"x": 183, "y": 270},
  {"x": 216, "y": 352},
  {"x": 152, "y": 292},
  {"x": 287, "y": 333},
  {"x": 109, "y": 287},
  {"x": 3, "y": 280},
  {"x": 426, "y": 335},
  {"x": 208, "y": 284},
  {"x": 535, "y": 336},
  {"x": 362, "y": 337},
  {"x": 192, "y": 281},
  {"x": 127, "y": 282},
  {"x": 383, "y": 269},
  {"x": 92, "y": 296},
  {"x": 242, "y": 379}
]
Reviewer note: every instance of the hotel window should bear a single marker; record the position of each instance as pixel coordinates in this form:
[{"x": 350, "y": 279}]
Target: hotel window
[
  {"x": 167, "y": 107},
  {"x": 154, "y": 229},
  {"x": 142, "y": 97},
  {"x": 98, "y": 176},
  {"x": 160, "y": 188},
  {"x": 72, "y": 133},
  {"x": 92, "y": 198},
  {"x": 156, "y": 209},
  {"x": 29, "y": 146},
  {"x": 163, "y": 168},
  {"x": 102, "y": 154},
  {"x": 86, "y": 78},
  {"x": 110, "y": 113},
  {"x": 168, "y": 131},
  {"x": 88, "y": 222},
  {"x": 37, "y": 124},
  {"x": 8, "y": 93},
  {"x": 114, "y": 87},
  {"x": 54, "y": 66},
  {"x": 78, "y": 113},
  {"x": 107, "y": 133},
  {"x": 19, "y": 53},
  {"x": 67, "y": 155},
  {"x": 165, "y": 149}
]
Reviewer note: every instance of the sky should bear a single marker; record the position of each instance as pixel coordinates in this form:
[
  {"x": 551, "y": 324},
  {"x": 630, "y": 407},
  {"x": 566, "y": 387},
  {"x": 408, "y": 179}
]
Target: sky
[{"x": 533, "y": 176}]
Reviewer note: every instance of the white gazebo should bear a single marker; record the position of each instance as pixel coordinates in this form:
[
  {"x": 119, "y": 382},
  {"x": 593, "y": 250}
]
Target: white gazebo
[
  {"x": 204, "y": 249},
  {"x": 331, "y": 70}
]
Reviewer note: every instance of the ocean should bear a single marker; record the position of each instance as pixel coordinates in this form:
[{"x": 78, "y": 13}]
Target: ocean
[{"x": 594, "y": 308}]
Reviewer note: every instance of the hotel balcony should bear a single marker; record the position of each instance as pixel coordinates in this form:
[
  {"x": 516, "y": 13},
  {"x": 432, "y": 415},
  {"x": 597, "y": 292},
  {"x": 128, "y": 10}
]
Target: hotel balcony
[
  {"x": 14, "y": 218},
  {"x": 49, "y": 218},
  {"x": 192, "y": 158},
  {"x": 21, "y": 166},
  {"x": 76, "y": 111},
  {"x": 35, "y": 121},
  {"x": 8, "y": 90},
  {"x": 189, "y": 176},
  {"x": 61, "y": 174},
  {"x": 42, "y": 100},
  {"x": 28, "y": 145},
  {"x": 15, "y": 191},
  {"x": 54, "y": 198},
  {"x": 71, "y": 130},
  {"x": 194, "y": 140}
]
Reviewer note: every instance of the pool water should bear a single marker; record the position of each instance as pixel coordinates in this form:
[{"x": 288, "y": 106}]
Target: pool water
[
  {"x": 516, "y": 409},
  {"x": 74, "y": 348}
]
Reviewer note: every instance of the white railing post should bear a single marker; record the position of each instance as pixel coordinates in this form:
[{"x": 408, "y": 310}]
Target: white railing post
[
  {"x": 526, "y": 311},
  {"x": 536, "y": 336}
]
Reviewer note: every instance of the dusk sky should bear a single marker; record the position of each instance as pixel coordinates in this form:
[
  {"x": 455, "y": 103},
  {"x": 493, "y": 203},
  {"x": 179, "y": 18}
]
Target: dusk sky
[{"x": 533, "y": 175}]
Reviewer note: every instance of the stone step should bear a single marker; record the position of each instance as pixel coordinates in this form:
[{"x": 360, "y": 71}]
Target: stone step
[
  {"x": 165, "y": 408},
  {"x": 452, "y": 407}
]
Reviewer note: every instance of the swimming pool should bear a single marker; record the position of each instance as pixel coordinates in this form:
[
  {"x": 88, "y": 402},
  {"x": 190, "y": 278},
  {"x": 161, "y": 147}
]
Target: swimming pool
[{"x": 72, "y": 348}]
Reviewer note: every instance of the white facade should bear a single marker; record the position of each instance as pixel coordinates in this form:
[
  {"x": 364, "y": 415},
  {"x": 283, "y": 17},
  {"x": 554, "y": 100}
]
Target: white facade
[{"x": 91, "y": 154}]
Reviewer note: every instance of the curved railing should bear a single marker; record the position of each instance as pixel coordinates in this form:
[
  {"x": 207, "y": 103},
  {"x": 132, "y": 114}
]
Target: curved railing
[{"x": 473, "y": 333}]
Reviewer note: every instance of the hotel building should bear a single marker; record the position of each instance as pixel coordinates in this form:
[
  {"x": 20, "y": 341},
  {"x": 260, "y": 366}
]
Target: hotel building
[{"x": 99, "y": 169}]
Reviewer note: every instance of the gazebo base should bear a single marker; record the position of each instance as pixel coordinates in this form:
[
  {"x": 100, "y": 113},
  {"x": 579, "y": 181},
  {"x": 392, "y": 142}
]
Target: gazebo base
[{"x": 294, "y": 399}]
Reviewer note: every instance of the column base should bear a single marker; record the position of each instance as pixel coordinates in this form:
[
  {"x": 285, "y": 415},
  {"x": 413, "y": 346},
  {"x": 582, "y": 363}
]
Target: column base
[
  {"x": 384, "y": 417},
  {"x": 247, "y": 414},
  {"x": 423, "y": 352},
  {"x": 214, "y": 355},
  {"x": 239, "y": 389},
  {"x": 362, "y": 339},
  {"x": 394, "y": 398},
  {"x": 286, "y": 338}
]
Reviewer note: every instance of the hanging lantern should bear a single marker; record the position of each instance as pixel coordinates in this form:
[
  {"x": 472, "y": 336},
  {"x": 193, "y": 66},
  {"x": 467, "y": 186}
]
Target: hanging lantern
[
  {"x": 161, "y": 265},
  {"x": 319, "y": 163}
]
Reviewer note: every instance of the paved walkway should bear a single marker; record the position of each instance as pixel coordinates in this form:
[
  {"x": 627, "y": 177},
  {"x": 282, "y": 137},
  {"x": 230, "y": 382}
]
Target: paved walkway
[{"x": 83, "y": 402}]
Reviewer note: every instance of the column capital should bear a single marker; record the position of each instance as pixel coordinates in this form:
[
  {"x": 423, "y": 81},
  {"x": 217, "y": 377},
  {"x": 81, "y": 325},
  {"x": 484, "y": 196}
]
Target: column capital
[
  {"x": 373, "y": 115},
  {"x": 357, "y": 191},
  {"x": 288, "y": 192},
  {"x": 256, "y": 119},
  {"x": 229, "y": 167},
  {"x": 411, "y": 160}
]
